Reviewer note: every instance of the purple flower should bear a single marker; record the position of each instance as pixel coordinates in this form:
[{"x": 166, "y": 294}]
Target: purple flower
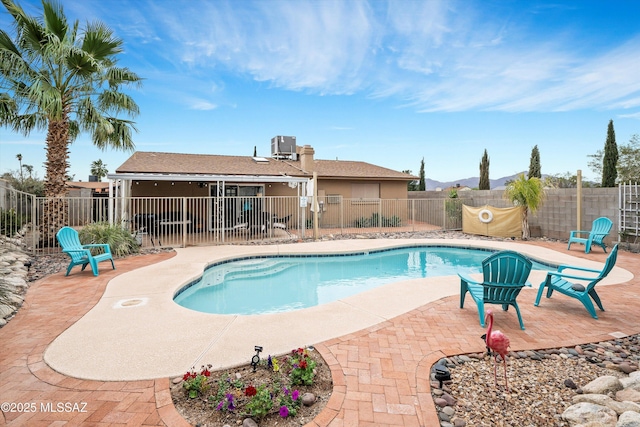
[
  {"x": 231, "y": 406},
  {"x": 295, "y": 394},
  {"x": 284, "y": 411},
  {"x": 286, "y": 391},
  {"x": 220, "y": 405},
  {"x": 269, "y": 362}
]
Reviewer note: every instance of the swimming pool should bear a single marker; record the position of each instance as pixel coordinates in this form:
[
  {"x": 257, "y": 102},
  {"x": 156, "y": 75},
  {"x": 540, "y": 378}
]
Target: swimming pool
[{"x": 271, "y": 284}]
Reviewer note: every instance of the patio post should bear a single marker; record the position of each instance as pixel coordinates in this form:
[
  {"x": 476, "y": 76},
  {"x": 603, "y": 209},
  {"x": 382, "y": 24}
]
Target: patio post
[{"x": 579, "y": 199}]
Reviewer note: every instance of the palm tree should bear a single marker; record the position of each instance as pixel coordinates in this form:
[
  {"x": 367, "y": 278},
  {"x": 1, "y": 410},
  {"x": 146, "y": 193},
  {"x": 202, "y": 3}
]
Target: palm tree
[
  {"x": 29, "y": 169},
  {"x": 65, "y": 79},
  {"x": 527, "y": 193},
  {"x": 99, "y": 169},
  {"x": 19, "y": 157}
]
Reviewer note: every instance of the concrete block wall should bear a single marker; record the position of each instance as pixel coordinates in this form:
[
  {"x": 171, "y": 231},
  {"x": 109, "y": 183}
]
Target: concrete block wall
[{"x": 557, "y": 217}]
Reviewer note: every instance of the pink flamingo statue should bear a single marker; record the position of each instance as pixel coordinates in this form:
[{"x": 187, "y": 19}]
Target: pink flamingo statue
[{"x": 499, "y": 343}]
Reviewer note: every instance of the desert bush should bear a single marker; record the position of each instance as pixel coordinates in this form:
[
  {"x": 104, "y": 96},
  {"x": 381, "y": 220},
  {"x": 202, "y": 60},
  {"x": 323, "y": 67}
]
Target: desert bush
[{"x": 118, "y": 238}]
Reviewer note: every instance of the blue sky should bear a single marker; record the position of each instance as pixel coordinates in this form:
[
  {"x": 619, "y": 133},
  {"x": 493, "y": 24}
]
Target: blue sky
[{"x": 386, "y": 82}]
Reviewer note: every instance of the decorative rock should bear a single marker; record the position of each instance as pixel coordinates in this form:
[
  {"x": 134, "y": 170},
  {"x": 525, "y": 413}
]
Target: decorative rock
[
  {"x": 603, "y": 385},
  {"x": 604, "y": 400},
  {"x": 629, "y": 395},
  {"x": 451, "y": 401},
  {"x": 629, "y": 419},
  {"x": 590, "y": 414},
  {"x": 458, "y": 422},
  {"x": 248, "y": 422},
  {"x": 626, "y": 368},
  {"x": 444, "y": 417},
  {"x": 633, "y": 381},
  {"x": 177, "y": 380},
  {"x": 439, "y": 401},
  {"x": 308, "y": 399},
  {"x": 570, "y": 384},
  {"x": 449, "y": 410}
]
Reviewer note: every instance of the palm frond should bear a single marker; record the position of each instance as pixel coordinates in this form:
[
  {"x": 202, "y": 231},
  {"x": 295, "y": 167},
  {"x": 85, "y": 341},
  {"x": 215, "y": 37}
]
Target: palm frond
[
  {"x": 100, "y": 43},
  {"x": 117, "y": 102},
  {"x": 54, "y": 20}
]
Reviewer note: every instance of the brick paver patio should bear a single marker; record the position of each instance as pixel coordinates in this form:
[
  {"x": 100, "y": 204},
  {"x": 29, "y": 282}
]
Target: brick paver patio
[{"x": 381, "y": 374}]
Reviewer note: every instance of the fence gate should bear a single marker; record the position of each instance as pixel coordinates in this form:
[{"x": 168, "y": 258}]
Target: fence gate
[{"x": 629, "y": 214}]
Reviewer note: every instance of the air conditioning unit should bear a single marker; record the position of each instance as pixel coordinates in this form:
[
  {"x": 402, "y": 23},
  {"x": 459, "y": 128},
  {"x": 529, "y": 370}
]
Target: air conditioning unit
[{"x": 283, "y": 146}]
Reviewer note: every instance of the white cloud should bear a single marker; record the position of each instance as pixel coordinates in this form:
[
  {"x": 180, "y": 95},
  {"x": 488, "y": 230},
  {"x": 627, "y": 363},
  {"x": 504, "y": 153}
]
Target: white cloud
[
  {"x": 432, "y": 56},
  {"x": 200, "y": 104}
]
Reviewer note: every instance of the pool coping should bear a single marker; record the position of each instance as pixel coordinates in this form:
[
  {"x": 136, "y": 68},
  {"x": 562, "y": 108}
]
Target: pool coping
[{"x": 158, "y": 338}]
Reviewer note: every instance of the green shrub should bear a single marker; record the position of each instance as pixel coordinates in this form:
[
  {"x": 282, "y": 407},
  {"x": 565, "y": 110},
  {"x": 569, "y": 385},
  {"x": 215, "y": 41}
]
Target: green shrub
[
  {"x": 11, "y": 221},
  {"x": 362, "y": 222},
  {"x": 261, "y": 403},
  {"x": 119, "y": 239},
  {"x": 394, "y": 221},
  {"x": 375, "y": 221}
]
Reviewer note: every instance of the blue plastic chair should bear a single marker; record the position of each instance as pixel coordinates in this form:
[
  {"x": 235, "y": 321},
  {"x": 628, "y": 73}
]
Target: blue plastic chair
[
  {"x": 556, "y": 281},
  {"x": 599, "y": 230},
  {"x": 81, "y": 254},
  {"x": 505, "y": 273}
]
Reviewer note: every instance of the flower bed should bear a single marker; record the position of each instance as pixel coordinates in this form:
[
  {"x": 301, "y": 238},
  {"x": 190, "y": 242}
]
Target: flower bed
[{"x": 272, "y": 394}]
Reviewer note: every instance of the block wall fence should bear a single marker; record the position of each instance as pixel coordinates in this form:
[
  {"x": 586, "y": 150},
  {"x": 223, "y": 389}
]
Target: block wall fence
[{"x": 558, "y": 214}]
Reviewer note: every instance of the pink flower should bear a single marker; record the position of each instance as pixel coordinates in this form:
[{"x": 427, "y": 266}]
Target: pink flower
[
  {"x": 295, "y": 394},
  {"x": 284, "y": 411}
]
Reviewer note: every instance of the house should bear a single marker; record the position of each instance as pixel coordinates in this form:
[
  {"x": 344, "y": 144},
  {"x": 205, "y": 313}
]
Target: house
[
  {"x": 87, "y": 188},
  {"x": 235, "y": 181}
]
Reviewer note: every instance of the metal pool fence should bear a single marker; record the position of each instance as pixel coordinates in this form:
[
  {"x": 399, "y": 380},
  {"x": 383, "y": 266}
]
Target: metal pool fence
[{"x": 191, "y": 221}]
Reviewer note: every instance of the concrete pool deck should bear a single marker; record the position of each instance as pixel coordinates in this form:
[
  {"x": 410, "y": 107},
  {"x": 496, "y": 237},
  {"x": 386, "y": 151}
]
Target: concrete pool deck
[
  {"x": 158, "y": 338},
  {"x": 380, "y": 373}
]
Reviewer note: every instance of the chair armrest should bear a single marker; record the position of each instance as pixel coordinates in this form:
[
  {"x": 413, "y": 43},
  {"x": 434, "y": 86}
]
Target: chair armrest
[
  {"x": 105, "y": 246},
  {"x": 568, "y": 276},
  {"x": 575, "y": 233},
  {"x": 85, "y": 252},
  {"x": 469, "y": 279},
  {"x": 571, "y": 267}
]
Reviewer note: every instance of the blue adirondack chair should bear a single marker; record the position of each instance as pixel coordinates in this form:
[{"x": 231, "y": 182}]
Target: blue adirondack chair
[
  {"x": 505, "y": 273},
  {"x": 556, "y": 281},
  {"x": 81, "y": 254},
  {"x": 599, "y": 230}
]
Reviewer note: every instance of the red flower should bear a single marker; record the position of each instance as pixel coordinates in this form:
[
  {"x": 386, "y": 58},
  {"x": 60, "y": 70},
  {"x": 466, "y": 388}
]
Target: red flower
[
  {"x": 250, "y": 391},
  {"x": 188, "y": 376},
  {"x": 303, "y": 364},
  {"x": 205, "y": 372}
]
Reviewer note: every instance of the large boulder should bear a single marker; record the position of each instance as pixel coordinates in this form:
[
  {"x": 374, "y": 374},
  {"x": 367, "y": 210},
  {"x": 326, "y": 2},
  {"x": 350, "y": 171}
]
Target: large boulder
[{"x": 589, "y": 414}]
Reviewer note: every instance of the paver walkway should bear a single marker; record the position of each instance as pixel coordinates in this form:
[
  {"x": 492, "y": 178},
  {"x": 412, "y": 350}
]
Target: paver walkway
[{"x": 381, "y": 374}]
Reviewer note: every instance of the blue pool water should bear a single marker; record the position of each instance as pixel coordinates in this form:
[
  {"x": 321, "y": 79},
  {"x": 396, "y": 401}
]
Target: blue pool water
[{"x": 270, "y": 284}]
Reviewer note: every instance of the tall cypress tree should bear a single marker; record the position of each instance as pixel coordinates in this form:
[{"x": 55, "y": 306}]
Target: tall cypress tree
[
  {"x": 484, "y": 172},
  {"x": 610, "y": 159},
  {"x": 422, "y": 185},
  {"x": 534, "y": 164}
]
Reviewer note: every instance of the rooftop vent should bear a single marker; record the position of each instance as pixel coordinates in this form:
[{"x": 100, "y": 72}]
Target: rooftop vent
[
  {"x": 260, "y": 159},
  {"x": 283, "y": 147}
]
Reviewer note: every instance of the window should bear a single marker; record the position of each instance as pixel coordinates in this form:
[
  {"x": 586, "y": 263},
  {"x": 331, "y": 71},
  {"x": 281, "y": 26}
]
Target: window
[
  {"x": 365, "y": 191},
  {"x": 333, "y": 199}
]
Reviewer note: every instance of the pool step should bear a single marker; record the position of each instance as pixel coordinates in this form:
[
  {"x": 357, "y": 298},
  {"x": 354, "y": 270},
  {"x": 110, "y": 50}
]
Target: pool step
[{"x": 250, "y": 268}]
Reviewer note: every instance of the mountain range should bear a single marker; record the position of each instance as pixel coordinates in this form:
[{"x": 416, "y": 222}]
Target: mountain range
[{"x": 431, "y": 184}]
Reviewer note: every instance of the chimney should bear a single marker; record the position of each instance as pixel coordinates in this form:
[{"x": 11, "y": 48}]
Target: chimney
[{"x": 306, "y": 158}]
